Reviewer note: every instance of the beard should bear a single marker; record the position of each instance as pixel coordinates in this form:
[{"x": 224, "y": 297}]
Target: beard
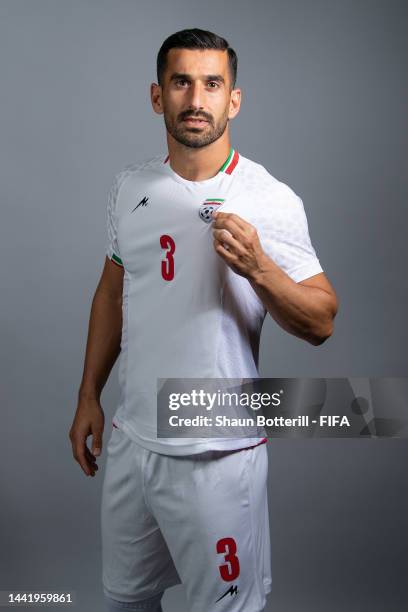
[{"x": 195, "y": 137}]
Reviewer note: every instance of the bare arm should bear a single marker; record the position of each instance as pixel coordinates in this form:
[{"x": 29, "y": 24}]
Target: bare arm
[
  {"x": 305, "y": 309},
  {"x": 102, "y": 350},
  {"x": 104, "y": 333}
]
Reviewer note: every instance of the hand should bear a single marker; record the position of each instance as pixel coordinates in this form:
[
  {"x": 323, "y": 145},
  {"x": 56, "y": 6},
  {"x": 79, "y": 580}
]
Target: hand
[
  {"x": 89, "y": 420},
  {"x": 237, "y": 242}
]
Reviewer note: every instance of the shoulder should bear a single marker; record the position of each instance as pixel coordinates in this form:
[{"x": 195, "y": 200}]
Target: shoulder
[
  {"x": 270, "y": 193},
  {"x": 137, "y": 168},
  {"x": 133, "y": 170}
]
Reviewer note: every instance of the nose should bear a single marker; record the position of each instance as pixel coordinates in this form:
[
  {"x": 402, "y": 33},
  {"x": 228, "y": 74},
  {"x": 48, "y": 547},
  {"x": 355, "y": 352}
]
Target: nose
[{"x": 196, "y": 95}]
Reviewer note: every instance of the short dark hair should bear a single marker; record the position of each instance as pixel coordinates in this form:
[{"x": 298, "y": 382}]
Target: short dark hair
[{"x": 194, "y": 38}]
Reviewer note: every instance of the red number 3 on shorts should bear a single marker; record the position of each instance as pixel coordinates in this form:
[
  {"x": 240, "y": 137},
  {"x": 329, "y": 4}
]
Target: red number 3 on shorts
[{"x": 230, "y": 570}]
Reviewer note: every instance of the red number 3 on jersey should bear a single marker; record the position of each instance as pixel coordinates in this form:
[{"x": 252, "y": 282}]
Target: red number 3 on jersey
[
  {"x": 229, "y": 570},
  {"x": 167, "y": 265}
]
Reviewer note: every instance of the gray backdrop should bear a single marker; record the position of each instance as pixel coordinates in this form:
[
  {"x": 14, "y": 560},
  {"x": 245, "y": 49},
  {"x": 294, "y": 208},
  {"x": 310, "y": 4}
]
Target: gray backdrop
[{"x": 323, "y": 110}]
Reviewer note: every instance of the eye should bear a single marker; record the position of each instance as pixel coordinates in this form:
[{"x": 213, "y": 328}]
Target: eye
[
  {"x": 179, "y": 81},
  {"x": 214, "y": 83}
]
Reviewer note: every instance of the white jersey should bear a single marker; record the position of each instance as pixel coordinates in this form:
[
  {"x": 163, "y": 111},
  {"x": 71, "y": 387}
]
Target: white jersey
[{"x": 186, "y": 314}]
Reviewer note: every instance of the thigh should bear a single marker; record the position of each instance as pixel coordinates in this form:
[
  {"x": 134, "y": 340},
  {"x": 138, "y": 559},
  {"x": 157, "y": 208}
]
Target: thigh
[
  {"x": 136, "y": 563},
  {"x": 213, "y": 513}
]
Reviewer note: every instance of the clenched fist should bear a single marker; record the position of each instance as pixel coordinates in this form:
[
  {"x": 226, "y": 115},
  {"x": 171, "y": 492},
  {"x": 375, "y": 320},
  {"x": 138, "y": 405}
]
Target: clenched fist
[{"x": 237, "y": 242}]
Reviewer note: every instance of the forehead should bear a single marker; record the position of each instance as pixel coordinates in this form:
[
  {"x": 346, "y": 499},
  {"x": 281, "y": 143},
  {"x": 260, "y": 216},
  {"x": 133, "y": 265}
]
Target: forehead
[{"x": 197, "y": 61}]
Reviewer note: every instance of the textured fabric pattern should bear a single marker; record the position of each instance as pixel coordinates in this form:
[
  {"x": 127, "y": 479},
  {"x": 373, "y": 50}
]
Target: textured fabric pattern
[{"x": 186, "y": 314}]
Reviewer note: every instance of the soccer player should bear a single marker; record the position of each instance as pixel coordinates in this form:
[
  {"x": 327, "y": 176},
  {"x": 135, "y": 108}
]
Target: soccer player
[{"x": 202, "y": 244}]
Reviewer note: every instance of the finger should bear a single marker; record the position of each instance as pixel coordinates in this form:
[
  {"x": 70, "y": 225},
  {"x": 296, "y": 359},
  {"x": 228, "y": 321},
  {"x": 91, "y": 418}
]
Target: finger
[
  {"x": 91, "y": 462},
  {"x": 232, "y": 217},
  {"x": 225, "y": 220},
  {"x": 228, "y": 225},
  {"x": 78, "y": 449},
  {"x": 81, "y": 458},
  {"x": 231, "y": 226},
  {"x": 97, "y": 441},
  {"x": 225, "y": 253},
  {"x": 90, "y": 458},
  {"x": 226, "y": 238}
]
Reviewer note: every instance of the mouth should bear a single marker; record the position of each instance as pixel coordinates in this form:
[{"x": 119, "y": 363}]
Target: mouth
[{"x": 195, "y": 122}]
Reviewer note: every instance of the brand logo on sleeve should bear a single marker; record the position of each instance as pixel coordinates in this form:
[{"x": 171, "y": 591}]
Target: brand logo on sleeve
[
  {"x": 143, "y": 202},
  {"x": 207, "y": 208}
]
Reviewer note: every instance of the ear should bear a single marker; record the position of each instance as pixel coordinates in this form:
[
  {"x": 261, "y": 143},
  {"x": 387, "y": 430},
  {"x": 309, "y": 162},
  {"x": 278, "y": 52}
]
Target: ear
[
  {"x": 235, "y": 103},
  {"x": 156, "y": 98}
]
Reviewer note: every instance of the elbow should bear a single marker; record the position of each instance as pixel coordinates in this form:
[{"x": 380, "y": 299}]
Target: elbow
[
  {"x": 325, "y": 329},
  {"x": 320, "y": 336},
  {"x": 317, "y": 340}
]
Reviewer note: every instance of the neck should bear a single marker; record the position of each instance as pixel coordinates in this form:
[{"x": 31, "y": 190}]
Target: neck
[{"x": 198, "y": 164}]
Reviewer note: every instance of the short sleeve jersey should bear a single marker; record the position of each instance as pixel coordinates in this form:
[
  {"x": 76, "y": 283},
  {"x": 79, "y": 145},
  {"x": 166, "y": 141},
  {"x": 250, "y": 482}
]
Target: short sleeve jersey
[{"x": 186, "y": 314}]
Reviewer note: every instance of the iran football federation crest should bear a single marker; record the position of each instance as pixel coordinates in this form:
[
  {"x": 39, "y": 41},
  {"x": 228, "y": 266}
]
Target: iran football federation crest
[{"x": 208, "y": 207}]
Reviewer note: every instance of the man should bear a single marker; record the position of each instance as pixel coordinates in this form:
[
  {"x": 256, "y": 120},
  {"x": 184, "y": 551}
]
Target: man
[{"x": 184, "y": 292}]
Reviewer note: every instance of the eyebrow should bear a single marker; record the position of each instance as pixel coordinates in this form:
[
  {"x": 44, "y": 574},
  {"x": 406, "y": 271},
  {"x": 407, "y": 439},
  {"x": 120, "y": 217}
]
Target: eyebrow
[{"x": 208, "y": 77}]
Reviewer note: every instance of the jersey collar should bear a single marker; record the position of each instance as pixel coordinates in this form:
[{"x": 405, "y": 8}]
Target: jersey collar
[
  {"x": 230, "y": 163},
  {"x": 227, "y": 167}
]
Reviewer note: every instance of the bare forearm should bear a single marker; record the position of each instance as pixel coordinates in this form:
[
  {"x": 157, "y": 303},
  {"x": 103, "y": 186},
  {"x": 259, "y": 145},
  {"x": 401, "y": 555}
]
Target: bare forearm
[
  {"x": 103, "y": 343},
  {"x": 305, "y": 312}
]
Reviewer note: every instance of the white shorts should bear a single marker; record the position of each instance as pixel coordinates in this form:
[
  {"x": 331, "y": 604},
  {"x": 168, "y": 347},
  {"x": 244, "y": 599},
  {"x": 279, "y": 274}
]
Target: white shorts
[{"x": 198, "y": 519}]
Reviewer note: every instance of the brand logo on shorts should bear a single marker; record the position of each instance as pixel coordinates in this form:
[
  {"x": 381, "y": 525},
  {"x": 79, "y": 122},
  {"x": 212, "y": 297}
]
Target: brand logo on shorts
[
  {"x": 233, "y": 590},
  {"x": 143, "y": 202},
  {"x": 208, "y": 207}
]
